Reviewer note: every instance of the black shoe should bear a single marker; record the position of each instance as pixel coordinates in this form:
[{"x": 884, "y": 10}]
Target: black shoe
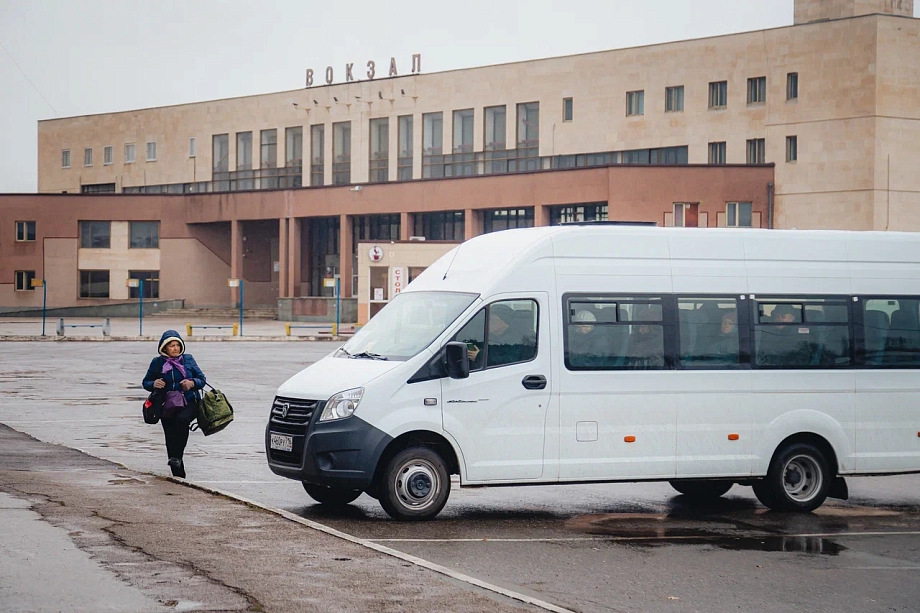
[{"x": 177, "y": 467}]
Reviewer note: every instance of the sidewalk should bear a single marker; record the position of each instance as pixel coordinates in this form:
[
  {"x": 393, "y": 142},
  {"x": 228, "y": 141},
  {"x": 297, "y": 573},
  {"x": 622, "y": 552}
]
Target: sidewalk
[
  {"x": 128, "y": 329},
  {"x": 126, "y": 541}
]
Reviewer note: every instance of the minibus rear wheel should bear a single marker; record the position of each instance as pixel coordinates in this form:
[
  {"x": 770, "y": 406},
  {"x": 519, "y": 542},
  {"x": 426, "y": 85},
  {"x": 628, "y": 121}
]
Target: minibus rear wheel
[
  {"x": 415, "y": 485},
  {"x": 702, "y": 489},
  {"x": 332, "y": 496},
  {"x": 798, "y": 479}
]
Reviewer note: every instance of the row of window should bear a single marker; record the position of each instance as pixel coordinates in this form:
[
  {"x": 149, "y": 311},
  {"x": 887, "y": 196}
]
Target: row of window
[
  {"x": 777, "y": 332},
  {"x": 756, "y": 150},
  {"x": 108, "y": 154},
  {"x": 95, "y": 283},
  {"x": 98, "y": 234},
  {"x": 718, "y": 96}
]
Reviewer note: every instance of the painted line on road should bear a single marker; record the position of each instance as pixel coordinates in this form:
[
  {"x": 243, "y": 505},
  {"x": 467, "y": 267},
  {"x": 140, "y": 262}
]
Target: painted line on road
[
  {"x": 379, "y": 548},
  {"x": 644, "y": 538}
]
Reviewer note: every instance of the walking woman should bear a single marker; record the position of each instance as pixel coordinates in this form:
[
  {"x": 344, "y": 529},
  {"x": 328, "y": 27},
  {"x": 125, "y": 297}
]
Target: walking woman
[{"x": 176, "y": 375}]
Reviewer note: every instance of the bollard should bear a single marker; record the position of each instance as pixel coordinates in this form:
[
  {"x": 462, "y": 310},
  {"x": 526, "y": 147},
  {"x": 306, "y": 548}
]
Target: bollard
[
  {"x": 60, "y": 327},
  {"x": 106, "y": 327},
  {"x": 287, "y": 329},
  {"x": 188, "y": 329},
  {"x": 236, "y": 329},
  {"x": 335, "y": 329}
]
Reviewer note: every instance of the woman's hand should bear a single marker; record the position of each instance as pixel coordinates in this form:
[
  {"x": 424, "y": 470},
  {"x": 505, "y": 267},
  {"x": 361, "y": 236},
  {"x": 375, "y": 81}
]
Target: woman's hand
[
  {"x": 159, "y": 384},
  {"x": 186, "y": 384}
]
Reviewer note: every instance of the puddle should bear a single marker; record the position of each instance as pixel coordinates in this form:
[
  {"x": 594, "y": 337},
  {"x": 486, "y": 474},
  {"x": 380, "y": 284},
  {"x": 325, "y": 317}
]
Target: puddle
[{"x": 787, "y": 544}]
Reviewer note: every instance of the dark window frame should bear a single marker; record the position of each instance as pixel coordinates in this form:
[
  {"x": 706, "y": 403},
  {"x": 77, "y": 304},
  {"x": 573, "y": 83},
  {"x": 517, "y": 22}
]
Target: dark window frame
[
  {"x": 90, "y": 237},
  {"x": 26, "y": 286},
  {"x": 90, "y": 282},
  {"x": 25, "y": 231},
  {"x": 131, "y": 238}
]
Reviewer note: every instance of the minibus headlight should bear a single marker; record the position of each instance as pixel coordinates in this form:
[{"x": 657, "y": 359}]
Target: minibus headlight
[{"x": 342, "y": 405}]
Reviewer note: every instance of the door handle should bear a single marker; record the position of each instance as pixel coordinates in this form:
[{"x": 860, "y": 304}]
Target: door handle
[{"x": 534, "y": 382}]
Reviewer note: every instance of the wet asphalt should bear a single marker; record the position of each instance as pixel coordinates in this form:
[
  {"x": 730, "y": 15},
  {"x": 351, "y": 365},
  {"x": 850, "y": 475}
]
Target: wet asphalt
[{"x": 608, "y": 547}]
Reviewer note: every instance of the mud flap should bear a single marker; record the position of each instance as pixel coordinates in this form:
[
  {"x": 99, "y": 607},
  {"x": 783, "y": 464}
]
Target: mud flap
[{"x": 839, "y": 489}]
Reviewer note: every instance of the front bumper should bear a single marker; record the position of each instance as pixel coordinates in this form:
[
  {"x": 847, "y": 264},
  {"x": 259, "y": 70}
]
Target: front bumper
[{"x": 343, "y": 453}]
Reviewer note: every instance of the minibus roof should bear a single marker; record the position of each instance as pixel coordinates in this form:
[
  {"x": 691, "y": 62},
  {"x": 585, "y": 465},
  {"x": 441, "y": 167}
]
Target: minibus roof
[{"x": 509, "y": 259}]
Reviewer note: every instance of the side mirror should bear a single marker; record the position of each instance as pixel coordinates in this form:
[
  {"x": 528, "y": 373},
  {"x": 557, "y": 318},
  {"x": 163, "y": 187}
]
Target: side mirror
[{"x": 458, "y": 361}]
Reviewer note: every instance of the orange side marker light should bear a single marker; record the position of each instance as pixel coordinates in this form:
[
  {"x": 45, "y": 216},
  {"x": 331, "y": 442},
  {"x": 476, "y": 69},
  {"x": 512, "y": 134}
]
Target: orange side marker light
[
  {"x": 629, "y": 439},
  {"x": 733, "y": 437}
]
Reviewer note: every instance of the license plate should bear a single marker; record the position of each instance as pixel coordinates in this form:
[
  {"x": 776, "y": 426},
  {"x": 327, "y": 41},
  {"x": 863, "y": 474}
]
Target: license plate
[{"x": 281, "y": 442}]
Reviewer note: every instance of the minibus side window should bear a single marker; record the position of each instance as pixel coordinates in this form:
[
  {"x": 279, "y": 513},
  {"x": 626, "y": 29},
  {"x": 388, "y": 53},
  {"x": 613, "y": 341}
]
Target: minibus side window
[
  {"x": 615, "y": 333},
  {"x": 891, "y": 332},
  {"x": 512, "y": 333},
  {"x": 802, "y": 333},
  {"x": 709, "y": 332},
  {"x": 473, "y": 334}
]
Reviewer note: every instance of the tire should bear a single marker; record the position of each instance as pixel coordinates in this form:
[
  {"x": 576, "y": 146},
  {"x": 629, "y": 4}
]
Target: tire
[
  {"x": 332, "y": 496},
  {"x": 702, "y": 489},
  {"x": 414, "y": 485},
  {"x": 798, "y": 480}
]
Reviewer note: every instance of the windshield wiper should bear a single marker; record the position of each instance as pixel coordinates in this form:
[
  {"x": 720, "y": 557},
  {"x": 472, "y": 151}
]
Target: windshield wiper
[
  {"x": 343, "y": 350},
  {"x": 369, "y": 355}
]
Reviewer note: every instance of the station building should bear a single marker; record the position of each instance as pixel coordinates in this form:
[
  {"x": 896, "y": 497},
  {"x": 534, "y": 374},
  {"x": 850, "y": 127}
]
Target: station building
[{"x": 814, "y": 125}]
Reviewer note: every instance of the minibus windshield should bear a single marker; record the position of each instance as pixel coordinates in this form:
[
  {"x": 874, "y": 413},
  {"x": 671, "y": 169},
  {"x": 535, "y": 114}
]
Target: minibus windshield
[{"x": 406, "y": 325}]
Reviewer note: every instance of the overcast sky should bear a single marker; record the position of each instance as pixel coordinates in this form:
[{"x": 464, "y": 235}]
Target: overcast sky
[{"x": 63, "y": 58}]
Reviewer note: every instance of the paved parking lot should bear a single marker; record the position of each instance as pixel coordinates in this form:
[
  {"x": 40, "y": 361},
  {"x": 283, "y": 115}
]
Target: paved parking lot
[{"x": 613, "y": 547}]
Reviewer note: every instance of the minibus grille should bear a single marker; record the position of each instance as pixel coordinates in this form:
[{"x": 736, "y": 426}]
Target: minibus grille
[{"x": 292, "y": 410}]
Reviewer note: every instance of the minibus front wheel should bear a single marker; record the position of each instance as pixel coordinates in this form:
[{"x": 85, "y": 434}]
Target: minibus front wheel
[
  {"x": 332, "y": 496},
  {"x": 415, "y": 485}
]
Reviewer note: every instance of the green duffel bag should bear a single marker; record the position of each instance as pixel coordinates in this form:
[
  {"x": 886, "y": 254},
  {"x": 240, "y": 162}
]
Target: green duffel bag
[{"x": 214, "y": 411}]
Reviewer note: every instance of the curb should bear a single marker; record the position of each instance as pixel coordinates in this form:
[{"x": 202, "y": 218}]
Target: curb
[
  {"x": 205, "y": 339},
  {"x": 443, "y": 570}
]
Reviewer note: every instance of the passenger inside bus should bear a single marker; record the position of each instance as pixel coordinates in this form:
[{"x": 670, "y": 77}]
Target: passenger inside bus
[{"x": 646, "y": 340}]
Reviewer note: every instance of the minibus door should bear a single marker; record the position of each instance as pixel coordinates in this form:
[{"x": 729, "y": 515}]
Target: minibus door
[{"x": 497, "y": 414}]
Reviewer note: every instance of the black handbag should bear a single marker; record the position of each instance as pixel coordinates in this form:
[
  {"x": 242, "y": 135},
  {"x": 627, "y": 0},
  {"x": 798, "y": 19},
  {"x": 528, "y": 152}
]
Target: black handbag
[{"x": 153, "y": 408}]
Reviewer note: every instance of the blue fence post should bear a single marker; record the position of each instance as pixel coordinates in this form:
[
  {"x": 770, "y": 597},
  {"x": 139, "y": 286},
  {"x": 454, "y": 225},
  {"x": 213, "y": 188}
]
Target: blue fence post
[
  {"x": 44, "y": 303},
  {"x": 241, "y": 307},
  {"x": 140, "y": 317},
  {"x": 338, "y": 305}
]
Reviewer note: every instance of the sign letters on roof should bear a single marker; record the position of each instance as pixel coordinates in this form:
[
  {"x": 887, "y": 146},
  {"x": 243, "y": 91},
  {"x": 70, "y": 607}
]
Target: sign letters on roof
[{"x": 371, "y": 71}]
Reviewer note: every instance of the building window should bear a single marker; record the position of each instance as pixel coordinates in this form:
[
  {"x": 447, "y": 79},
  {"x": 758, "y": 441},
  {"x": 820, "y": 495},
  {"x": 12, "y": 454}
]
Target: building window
[
  {"x": 145, "y": 235},
  {"x": 592, "y": 211},
  {"x": 244, "y": 150},
  {"x": 341, "y": 153},
  {"x": 97, "y": 188},
  {"x": 635, "y": 103},
  {"x": 568, "y": 109},
  {"x": 379, "y": 160},
  {"x": 717, "y": 153},
  {"x": 95, "y": 234},
  {"x": 792, "y": 148},
  {"x": 738, "y": 214},
  {"x": 792, "y": 86},
  {"x": 151, "y": 279},
  {"x": 152, "y": 151},
  {"x": 94, "y": 284},
  {"x": 88, "y": 156},
  {"x": 756, "y": 151},
  {"x": 220, "y": 152},
  {"x": 129, "y": 153},
  {"x": 440, "y": 226},
  {"x": 192, "y": 147},
  {"x": 25, "y": 231},
  {"x": 432, "y": 145},
  {"x": 504, "y": 219},
  {"x": 293, "y": 147},
  {"x": 528, "y": 132},
  {"x": 404, "y": 162},
  {"x": 24, "y": 280},
  {"x": 686, "y": 214},
  {"x": 496, "y": 129},
  {"x": 674, "y": 99},
  {"x": 463, "y": 144},
  {"x": 757, "y": 90},
  {"x": 317, "y": 154},
  {"x": 718, "y": 94},
  {"x": 268, "y": 157},
  {"x": 108, "y": 155},
  {"x": 65, "y": 158}
]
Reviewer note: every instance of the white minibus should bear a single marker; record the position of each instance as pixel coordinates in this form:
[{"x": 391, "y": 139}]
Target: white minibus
[{"x": 781, "y": 360}]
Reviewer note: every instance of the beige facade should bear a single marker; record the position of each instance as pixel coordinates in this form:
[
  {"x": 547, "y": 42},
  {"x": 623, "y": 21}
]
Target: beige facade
[{"x": 854, "y": 118}]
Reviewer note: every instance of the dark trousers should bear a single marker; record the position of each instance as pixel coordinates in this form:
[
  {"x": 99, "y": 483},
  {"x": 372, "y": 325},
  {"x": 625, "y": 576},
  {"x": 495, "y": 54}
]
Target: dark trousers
[{"x": 176, "y": 431}]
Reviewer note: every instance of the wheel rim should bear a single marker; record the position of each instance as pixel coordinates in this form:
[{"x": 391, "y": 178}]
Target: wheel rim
[
  {"x": 802, "y": 478},
  {"x": 417, "y": 484}
]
